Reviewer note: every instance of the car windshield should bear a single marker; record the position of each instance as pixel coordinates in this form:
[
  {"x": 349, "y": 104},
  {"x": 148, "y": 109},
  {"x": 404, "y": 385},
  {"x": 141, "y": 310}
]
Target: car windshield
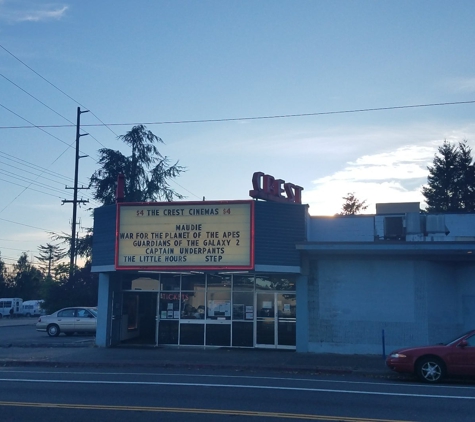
[
  {"x": 93, "y": 311},
  {"x": 455, "y": 340}
]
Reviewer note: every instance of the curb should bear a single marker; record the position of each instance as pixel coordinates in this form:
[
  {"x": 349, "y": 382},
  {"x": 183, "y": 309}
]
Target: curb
[{"x": 198, "y": 366}]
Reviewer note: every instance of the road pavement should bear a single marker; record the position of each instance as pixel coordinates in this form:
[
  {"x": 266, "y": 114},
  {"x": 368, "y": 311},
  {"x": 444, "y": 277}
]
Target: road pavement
[{"x": 82, "y": 351}]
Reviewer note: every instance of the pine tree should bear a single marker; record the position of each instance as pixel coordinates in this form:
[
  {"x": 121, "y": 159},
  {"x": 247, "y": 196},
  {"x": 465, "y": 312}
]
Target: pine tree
[
  {"x": 146, "y": 171},
  {"x": 49, "y": 255},
  {"x": 450, "y": 184}
]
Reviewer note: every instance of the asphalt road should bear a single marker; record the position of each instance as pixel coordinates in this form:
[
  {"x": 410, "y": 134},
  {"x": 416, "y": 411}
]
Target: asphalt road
[
  {"x": 130, "y": 395},
  {"x": 149, "y": 394}
]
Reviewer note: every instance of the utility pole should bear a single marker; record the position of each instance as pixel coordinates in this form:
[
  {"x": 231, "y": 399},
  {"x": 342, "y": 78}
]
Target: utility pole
[{"x": 75, "y": 200}]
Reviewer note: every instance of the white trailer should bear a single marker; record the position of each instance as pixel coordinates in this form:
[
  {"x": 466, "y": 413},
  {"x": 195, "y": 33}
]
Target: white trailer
[
  {"x": 10, "y": 306},
  {"x": 33, "y": 308}
]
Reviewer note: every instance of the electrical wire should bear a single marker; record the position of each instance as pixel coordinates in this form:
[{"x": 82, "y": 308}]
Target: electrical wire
[
  {"x": 239, "y": 119},
  {"x": 55, "y": 87},
  {"x": 33, "y": 166}
]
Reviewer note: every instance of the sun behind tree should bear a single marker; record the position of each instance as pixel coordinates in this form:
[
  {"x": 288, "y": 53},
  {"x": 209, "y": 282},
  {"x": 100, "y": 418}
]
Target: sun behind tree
[{"x": 352, "y": 205}]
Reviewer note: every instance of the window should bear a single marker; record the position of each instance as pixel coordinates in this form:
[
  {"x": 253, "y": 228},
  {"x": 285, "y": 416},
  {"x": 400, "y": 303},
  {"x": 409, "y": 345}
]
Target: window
[
  {"x": 243, "y": 306},
  {"x": 218, "y": 297},
  {"x": 471, "y": 341},
  {"x": 243, "y": 282},
  {"x": 170, "y": 282},
  {"x": 67, "y": 313},
  {"x": 192, "y": 296},
  {"x": 83, "y": 313},
  {"x": 275, "y": 282},
  {"x": 169, "y": 305}
]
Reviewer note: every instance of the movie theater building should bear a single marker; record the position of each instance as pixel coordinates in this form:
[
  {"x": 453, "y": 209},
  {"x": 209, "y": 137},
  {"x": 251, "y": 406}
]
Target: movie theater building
[{"x": 263, "y": 273}]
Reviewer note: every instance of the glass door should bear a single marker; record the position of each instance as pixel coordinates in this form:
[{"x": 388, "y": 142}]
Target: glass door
[
  {"x": 265, "y": 320},
  {"x": 275, "y": 320}
]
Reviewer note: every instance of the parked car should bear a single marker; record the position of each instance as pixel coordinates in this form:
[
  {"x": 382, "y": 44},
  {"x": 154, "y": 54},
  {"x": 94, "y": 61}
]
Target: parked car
[
  {"x": 433, "y": 363},
  {"x": 69, "y": 321}
]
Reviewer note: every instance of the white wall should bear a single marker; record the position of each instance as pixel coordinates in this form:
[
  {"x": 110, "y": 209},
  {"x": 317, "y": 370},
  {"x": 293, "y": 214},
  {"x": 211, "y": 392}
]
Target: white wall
[
  {"x": 341, "y": 229},
  {"x": 415, "y": 302}
]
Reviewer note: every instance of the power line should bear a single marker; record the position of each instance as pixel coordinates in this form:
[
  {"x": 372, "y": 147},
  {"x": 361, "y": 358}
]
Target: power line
[
  {"x": 32, "y": 96},
  {"x": 238, "y": 119},
  {"x": 27, "y": 225},
  {"x": 47, "y": 106},
  {"x": 26, "y": 187},
  {"x": 35, "y": 167},
  {"x": 55, "y": 87},
  {"x": 14, "y": 249},
  {"x": 36, "y": 126},
  {"x": 20, "y": 178}
]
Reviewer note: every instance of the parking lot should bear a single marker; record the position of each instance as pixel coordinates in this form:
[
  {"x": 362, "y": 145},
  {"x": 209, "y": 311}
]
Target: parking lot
[{"x": 21, "y": 332}]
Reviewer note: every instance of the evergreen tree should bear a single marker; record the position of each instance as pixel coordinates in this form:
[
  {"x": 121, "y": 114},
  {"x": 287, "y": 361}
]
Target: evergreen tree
[
  {"x": 3, "y": 278},
  {"x": 27, "y": 279},
  {"x": 83, "y": 244},
  {"x": 50, "y": 255},
  {"x": 146, "y": 171},
  {"x": 450, "y": 184},
  {"x": 352, "y": 205},
  {"x": 466, "y": 185},
  {"x": 80, "y": 290}
]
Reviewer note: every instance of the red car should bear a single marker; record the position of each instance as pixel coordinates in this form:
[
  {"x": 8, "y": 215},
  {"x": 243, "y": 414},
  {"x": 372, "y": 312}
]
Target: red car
[{"x": 434, "y": 363}]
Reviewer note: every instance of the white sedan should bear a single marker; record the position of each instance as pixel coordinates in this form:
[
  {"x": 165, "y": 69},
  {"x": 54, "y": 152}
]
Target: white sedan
[{"x": 69, "y": 321}]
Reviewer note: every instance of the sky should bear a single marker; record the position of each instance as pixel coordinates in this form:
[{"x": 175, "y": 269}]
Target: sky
[{"x": 322, "y": 94}]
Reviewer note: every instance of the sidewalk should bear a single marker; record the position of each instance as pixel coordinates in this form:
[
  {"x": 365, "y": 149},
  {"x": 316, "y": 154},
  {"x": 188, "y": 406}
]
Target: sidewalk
[
  {"x": 84, "y": 353},
  {"x": 169, "y": 357}
]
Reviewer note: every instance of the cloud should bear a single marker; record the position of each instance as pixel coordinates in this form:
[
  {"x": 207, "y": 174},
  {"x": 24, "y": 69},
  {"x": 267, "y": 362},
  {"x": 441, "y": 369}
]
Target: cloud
[
  {"x": 26, "y": 11},
  {"x": 395, "y": 176},
  {"x": 465, "y": 85}
]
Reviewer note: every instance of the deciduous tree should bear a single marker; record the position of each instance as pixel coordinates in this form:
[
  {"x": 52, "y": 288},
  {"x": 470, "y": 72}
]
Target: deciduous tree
[{"x": 352, "y": 205}]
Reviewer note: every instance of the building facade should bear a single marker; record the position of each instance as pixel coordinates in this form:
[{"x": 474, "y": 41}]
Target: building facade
[
  {"x": 390, "y": 280},
  {"x": 342, "y": 284},
  {"x": 210, "y": 302}
]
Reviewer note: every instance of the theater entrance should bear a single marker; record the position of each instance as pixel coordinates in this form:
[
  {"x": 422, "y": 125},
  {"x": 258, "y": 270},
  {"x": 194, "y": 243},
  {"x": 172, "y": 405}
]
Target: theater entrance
[
  {"x": 199, "y": 309},
  {"x": 139, "y": 318}
]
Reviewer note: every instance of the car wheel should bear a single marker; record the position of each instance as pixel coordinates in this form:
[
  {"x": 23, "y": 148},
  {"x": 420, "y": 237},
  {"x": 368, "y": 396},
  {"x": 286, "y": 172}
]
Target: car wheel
[
  {"x": 430, "y": 370},
  {"x": 53, "y": 330}
]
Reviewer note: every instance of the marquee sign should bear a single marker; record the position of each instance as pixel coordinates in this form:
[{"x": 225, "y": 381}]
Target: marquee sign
[
  {"x": 277, "y": 190},
  {"x": 185, "y": 235}
]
